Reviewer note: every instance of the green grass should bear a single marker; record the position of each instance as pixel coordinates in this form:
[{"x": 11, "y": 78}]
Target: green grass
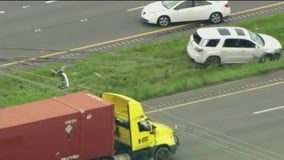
[{"x": 142, "y": 72}]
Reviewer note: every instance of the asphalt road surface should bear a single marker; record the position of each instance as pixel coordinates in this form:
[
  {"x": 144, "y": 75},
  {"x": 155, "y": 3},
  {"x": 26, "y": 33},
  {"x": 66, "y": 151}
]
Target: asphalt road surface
[
  {"x": 34, "y": 28},
  {"x": 239, "y": 120}
]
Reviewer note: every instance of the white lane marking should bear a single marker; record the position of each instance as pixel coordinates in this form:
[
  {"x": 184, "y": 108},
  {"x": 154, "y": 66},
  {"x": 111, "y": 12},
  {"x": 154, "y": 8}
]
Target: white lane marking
[
  {"x": 49, "y": 2},
  {"x": 37, "y": 30},
  {"x": 26, "y": 6},
  {"x": 133, "y": 9},
  {"x": 267, "y": 110},
  {"x": 1, "y": 12},
  {"x": 84, "y": 20}
]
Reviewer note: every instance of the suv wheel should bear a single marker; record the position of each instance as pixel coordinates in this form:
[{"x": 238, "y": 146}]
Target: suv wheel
[
  {"x": 164, "y": 21},
  {"x": 215, "y": 17},
  {"x": 265, "y": 57},
  {"x": 213, "y": 61},
  {"x": 276, "y": 56}
]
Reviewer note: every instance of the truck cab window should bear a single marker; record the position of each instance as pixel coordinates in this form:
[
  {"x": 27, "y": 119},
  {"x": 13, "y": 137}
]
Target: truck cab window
[{"x": 144, "y": 126}]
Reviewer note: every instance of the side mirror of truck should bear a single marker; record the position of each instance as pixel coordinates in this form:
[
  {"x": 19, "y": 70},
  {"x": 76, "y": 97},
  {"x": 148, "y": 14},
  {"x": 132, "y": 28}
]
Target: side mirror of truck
[{"x": 153, "y": 129}]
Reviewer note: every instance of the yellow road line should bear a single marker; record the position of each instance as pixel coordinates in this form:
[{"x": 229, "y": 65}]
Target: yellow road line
[
  {"x": 130, "y": 37},
  {"x": 258, "y": 8},
  {"x": 215, "y": 97}
]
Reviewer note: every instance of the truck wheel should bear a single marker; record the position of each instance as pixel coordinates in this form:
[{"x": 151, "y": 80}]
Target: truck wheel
[
  {"x": 162, "y": 153},
  {"x": 123, "y": 156},
  {"x": 104, "y": 158}
]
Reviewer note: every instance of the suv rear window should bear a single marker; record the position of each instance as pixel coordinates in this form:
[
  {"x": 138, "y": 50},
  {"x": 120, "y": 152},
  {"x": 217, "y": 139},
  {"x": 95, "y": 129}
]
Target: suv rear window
[{"x": 196, "y": 38}]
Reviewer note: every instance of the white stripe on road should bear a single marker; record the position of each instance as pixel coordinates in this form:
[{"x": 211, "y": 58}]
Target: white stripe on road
[
  {"x": 1, "y": 12},
  {"x": 26, "y": 6},
  {"x": 267, "y": 110},
  {"x": 49, "y": 1},
  {"x": 133, "y": 9}
]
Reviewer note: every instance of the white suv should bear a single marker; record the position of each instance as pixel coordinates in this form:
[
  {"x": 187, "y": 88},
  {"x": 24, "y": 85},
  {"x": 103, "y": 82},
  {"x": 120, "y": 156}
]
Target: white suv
[{"x": 219, "y": 45}]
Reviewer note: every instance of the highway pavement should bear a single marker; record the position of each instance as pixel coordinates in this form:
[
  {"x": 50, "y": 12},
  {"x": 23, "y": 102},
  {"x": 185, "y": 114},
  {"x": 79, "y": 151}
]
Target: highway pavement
[
  {"x": 238, "y": 120},
  {"x": 35, "y": 28}
]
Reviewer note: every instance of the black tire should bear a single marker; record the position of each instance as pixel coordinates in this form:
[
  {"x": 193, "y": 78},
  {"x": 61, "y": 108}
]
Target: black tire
[
  {"x": 276, "y": 56},
  {"x": 265, "y": 57},
  {"x": 162, "y": 153},
  {"x": 213, "y": 61},
  {"x": 163, "y": 21},
  {"x": 215, "y": 18},
  {"x": 104, "y": 158}
]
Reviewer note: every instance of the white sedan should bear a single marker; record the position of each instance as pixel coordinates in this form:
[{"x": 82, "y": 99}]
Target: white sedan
[{"x": 165, "y": 12}]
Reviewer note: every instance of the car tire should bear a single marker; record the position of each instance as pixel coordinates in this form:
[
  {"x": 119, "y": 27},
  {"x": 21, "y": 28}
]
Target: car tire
[
  {"x": 163, "y": 21},
  {"x": 213, "y": 61},
  {"x": 215, "y": 18}
]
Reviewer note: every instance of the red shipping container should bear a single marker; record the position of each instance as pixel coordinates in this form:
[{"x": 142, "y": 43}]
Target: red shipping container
[{"x": 75, "y": 126}]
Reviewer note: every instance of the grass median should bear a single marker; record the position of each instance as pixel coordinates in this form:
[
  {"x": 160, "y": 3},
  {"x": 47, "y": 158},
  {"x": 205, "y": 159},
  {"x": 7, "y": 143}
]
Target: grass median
[{"x": 142, "y": 71}]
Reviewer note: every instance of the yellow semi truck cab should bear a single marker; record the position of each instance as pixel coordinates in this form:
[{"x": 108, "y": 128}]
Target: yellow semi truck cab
[{"x": 136, "y": 134}]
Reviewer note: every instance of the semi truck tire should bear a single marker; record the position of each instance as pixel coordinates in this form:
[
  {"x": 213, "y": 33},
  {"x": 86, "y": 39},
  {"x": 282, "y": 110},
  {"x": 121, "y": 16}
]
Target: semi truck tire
[
  {"x": 123, "y": 156},
  {"x": 103, "y": 158},
  {"x": 162, "y": 153}
]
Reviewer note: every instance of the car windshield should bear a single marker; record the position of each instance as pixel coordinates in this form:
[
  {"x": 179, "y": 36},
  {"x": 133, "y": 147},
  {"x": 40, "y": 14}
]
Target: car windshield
[
  {"x": 169, "y": 4},
  {"x": 256, "y": 38}
]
